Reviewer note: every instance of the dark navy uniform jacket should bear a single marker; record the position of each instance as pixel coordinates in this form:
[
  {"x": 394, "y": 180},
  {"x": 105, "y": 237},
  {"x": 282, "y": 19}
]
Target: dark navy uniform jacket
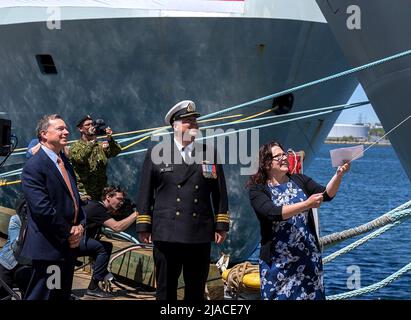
[{"x": 182, "y": 203}]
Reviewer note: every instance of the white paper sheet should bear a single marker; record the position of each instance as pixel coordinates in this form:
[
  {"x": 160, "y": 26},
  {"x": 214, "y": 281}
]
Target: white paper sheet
[{"x": 339, "y": 156}]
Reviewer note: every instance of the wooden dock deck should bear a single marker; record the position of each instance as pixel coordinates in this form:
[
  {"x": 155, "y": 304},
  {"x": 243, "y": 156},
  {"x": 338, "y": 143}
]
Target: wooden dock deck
[
  {"x": 134, "y": 274},
  {"x": 120, "y": 291}
]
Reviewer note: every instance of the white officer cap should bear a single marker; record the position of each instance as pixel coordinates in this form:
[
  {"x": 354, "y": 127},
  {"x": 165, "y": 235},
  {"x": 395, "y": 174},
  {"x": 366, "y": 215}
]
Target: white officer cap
[{"x": 181, "y": 110}]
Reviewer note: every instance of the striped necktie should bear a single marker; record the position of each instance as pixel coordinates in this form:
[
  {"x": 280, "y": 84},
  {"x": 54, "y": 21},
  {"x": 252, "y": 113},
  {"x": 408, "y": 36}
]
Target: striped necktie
[{"x": 68, "y": 184}]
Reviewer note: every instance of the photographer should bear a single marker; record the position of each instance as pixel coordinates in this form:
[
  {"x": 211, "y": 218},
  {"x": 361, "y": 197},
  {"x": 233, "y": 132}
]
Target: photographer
[
  {"x": 89, "y": 157},
  {"x": 98, "y": 214}
]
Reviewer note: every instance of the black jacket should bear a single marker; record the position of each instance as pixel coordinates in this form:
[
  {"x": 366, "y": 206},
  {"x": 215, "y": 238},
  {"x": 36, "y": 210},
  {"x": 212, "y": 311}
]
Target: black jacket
[
  {"x": 182, "y": 203},
  {"x": 267, "y": 212}
]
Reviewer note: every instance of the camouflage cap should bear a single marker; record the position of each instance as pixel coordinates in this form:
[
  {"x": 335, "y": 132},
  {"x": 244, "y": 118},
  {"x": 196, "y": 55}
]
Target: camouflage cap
[{"x": 86, "y": 117}]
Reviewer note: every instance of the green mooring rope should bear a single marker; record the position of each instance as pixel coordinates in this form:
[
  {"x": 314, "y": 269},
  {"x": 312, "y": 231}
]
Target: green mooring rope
[{"x": 373, "y": 287}]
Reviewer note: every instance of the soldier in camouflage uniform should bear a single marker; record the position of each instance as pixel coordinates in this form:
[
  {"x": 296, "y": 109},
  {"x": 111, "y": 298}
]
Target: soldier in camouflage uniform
[{"x": 89, "y": 158}]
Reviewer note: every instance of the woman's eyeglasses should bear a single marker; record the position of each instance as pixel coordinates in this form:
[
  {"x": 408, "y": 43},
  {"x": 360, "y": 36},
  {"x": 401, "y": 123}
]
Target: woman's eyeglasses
[{"x": 279, "y": 157}]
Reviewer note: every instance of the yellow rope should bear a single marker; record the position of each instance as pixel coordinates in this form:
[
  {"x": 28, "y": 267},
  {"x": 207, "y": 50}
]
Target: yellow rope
[
  {"x": 19, "y": 149},
  {"x": 154, "y": 129},
  {"x": 4, "y": 183},
  {"x": 134, "y": 143},
  {"x": 149, "y": 129},
  {"x": 221, "y": 118},
  {"x": 236, "y": 274},
  {"x": 24, "y": 149},
  {"x": 164, "y": 127},
  {"x": 138, "y": 131},
  {"x": 252, "y": 116}
]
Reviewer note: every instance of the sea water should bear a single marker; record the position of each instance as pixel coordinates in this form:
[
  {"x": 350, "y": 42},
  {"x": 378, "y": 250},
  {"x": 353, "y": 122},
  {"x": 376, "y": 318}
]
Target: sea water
[{"x": 375, "y": 184}]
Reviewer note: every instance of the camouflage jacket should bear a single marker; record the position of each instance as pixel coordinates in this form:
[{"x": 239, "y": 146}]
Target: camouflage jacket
[{"x": 89, "y": 160}]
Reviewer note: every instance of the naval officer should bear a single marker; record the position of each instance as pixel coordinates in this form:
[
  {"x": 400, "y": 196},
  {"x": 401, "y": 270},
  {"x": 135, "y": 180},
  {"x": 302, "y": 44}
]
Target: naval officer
[{"x": 183, "y": 206}]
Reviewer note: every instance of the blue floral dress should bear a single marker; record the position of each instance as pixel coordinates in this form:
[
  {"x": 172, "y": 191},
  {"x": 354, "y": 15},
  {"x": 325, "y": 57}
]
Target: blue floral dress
[{"x": 296, "y": 271}]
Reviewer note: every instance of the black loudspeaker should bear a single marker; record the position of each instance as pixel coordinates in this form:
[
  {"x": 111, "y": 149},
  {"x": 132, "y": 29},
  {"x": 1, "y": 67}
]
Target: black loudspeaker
[
  {"x": 283, "y": 104},
  {"x": 5, "y": 137}
]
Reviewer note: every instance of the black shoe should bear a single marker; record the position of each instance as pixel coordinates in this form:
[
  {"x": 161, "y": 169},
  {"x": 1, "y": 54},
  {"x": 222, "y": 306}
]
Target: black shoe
[
  {"x": 97, "y": 292},
  {"x": 74, "y": 297}
]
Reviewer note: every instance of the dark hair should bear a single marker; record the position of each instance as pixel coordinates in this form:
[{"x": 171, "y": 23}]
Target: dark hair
[
  {"x": 111, "y": 192},
  {"x": 265, "y": 158}
]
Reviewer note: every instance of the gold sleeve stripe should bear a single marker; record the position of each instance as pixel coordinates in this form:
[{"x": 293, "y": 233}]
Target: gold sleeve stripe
[
  {"x": 143, "y": 215},
  {"x": 148, "y": 220},
  {"x": 143, "y": 222},
  {"x": 144, "y": 218},
  {"x": 223, "y": 217}
]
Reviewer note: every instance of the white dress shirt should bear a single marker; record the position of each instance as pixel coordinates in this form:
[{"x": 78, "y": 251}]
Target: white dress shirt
[
  {"x": 186, "y": 152},
  {"x": 53, "y": 157}
]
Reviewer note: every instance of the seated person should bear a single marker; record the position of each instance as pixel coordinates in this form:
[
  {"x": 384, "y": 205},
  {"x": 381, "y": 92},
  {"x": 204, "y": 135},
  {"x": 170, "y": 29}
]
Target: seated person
[
  {"x": 35, "y": 145},
  {"x": 32, "y": 148},
  {"x": 9, "y": 266},
  {"x": 98, "y": 214}
]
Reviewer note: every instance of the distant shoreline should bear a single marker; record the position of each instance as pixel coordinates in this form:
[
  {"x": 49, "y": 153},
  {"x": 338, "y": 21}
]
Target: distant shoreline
[{"x": 381, "y": 143}]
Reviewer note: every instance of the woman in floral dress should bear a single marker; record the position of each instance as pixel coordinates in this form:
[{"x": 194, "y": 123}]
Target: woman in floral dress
[{"x": 290, "y": 256}]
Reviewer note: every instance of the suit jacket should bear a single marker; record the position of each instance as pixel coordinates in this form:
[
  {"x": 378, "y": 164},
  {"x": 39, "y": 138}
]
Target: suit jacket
[
  {"x": 267, "y": 212},
  {"x": 182, "y": 203},
  {"x": 50, "y": 208}
]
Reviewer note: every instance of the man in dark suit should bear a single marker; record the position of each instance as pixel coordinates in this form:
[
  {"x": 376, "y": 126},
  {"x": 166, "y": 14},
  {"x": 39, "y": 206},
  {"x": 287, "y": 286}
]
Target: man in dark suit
[
  {"x": 183, "y": 206},
  {"x": 55, "y": 218}
]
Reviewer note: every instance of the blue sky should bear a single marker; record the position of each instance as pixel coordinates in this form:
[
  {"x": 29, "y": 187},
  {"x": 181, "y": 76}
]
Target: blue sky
[{"x": 365, "y": 112}]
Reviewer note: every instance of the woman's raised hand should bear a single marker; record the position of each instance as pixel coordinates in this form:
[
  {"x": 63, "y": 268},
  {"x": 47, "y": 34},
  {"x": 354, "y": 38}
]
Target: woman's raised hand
[
  {"x": 315, "y": 200},
  {"x": 343, "y": 169}
]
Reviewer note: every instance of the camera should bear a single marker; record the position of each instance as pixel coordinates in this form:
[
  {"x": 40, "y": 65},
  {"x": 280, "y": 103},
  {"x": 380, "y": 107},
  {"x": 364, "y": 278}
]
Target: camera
[
  {"x": 100, "y": 126},
  {"x": 6, "y": 145},
  {"x": 5, "y": 137},
  {"x": 127, "y": 208}
]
